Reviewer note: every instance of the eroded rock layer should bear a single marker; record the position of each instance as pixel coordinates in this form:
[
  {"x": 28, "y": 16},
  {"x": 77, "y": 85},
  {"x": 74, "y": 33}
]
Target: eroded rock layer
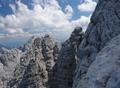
[
  {"x": 8, "y": 62},
  {"x": 64, "y": 68},
  {"x": 104, "y": 25},
  {"x": 90, "y": 60},
  {"x": 36, "y": 63}
]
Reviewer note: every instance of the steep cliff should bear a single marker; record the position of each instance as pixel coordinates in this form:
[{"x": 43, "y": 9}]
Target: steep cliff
[
  {"x": 36, "y": 63},
  {"x": 8, "y": 62},
  {"x": 64, "y": 68},
  {"x": 104, "y": 72},
  {"x": 44, "y": 63},
  {"x": 104, "y": 25},
  {"x": 85, "y": 60}
]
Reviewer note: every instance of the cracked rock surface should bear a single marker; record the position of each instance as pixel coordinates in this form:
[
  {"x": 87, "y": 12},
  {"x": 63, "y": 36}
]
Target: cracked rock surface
[
  {"x": 105, "y": 70},
  {"x": 104, "y": 26},
  {"x": 64, "y": 68},
  {"x": 8, "y": 62},
  {"x": 85, "y": 60},
  {"x": 36, "y": 63}
]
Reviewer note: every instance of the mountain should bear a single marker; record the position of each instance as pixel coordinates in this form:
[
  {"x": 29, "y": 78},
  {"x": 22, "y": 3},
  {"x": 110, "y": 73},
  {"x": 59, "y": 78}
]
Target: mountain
[
  {"x": 63, "y": 71},
  {"x": 36, "y": 63},
  {"x": 8, "y": 61},
  {"x": 98, "y": 66},
  {"x": 85, "y": 60},
  {"x": 1, "y": 46},
  {"x": 13, "y": 41}
]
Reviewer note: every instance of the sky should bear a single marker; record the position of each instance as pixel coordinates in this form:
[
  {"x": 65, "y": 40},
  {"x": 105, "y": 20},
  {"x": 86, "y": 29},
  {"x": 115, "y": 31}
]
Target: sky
[{"x": 55, "y": 17}]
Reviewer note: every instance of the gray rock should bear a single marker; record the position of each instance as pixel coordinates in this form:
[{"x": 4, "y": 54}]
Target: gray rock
[
  {"x": 64, "y": 68},
  {"x": 35, "y": 75},
  {"x": 89, "y": 60},
  {"x": 36, "y": 63},
  {"x": 105, "y": 70},
  {"x": 9, "y": 58},
  {"x": 104, "y": 25}
]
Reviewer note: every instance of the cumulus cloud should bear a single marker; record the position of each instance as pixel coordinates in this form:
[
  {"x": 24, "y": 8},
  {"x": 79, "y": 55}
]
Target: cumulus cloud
[
  {"x": 69, "y": 11},
  {"x": 24, "y": 20},
  {"x": 87, "y": 6},
  {"x": 83, "y": 21},
  {"x": 41, "y": 20}
]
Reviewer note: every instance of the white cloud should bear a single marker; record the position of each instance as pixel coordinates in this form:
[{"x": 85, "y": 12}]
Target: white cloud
[
  {"x": 83, "y": 21},
  {"x": 87, "y": 6},
  {"x": 24, "y": 20},
  {"x": 69, "y": 11},
  {"x": 50, "y": 19}
]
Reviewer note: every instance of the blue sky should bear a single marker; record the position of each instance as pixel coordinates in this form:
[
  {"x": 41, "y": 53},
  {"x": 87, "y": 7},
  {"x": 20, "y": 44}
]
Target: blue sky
[
  {"x": 57, "y": 17},
  {"x": 74, "y": 4}
]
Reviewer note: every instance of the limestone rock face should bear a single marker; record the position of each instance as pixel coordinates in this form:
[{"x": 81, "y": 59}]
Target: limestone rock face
[
  {"x": 64, "y": 68},
  {"x": 36, "y": 63},
  {"x": 35, "y": 75},
  {"x": 104, "y": 25},
  {"x": 104, "y": 72},
  {"x": 90, "y": 60},
  {"x": 8, "y": 61}
]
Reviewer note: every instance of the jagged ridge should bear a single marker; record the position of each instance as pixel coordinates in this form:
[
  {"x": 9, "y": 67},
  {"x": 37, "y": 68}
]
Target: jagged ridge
[{"x": 89, "y": 60}]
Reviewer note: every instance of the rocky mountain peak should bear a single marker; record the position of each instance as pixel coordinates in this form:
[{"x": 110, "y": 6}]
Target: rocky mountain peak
[
  {"x": 85, "y": 60},
  {"x": 35, "y": 75},
  {"x": 64, "y": 68},
  {"x": 36, "y": 63},
  {"x": 9, "y": 58},
  {"x": 40, "y": 59},
  {"x": 104, "y": 26}
]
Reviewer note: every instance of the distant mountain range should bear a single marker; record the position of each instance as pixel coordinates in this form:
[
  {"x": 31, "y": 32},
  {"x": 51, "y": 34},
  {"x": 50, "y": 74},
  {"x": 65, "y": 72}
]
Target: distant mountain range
[
  {"x": 1, "y": 46},
  {"x": 85, "y": 60},
  {"x": 13, "y": 42}
]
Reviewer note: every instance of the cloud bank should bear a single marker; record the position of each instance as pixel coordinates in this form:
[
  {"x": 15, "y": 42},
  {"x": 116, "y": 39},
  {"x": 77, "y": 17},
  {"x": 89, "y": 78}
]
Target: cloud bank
[
  {"x": 47, "y": 17},
  {"x": 87, "y": 6},
  {"x": 83, "y": 21}
]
